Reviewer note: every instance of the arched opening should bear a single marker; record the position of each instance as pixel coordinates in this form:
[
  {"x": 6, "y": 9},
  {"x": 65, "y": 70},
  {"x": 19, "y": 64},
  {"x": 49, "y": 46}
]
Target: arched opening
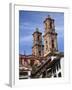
[{"x": 52, "y": 43}]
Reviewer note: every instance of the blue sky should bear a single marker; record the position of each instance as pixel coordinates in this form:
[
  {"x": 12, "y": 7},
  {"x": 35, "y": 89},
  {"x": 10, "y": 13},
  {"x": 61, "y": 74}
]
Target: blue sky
[{"x": 30, "y": 20}]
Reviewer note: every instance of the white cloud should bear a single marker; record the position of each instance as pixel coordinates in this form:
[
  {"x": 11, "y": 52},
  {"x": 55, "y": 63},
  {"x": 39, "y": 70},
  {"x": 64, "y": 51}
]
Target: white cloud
[
  {"x": 59, "y": 29},
  {"x": 30, "y": 26},
  {"x": 27, "y": 25},
  {"x": 26, "y": 39}
]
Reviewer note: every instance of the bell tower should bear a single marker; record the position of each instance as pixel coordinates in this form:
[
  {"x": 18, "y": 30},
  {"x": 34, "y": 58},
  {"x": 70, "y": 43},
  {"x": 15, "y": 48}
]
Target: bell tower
[
  {"x": 37, "y": 48},
  {"x": 50, "y": 36}
]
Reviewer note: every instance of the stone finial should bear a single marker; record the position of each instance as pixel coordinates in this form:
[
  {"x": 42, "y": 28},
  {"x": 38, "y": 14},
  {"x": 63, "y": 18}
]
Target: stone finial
[
  {"x": 49, "y": 16},
  {"x": 37, "y": 29}
]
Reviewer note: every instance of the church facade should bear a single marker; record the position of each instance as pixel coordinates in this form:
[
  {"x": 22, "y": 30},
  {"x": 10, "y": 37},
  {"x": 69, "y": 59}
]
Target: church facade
[{"x": 46, "y": 61}]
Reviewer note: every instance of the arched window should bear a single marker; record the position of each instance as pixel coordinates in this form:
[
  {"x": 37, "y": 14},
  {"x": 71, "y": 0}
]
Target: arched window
[
  {"x": 40, "y": 53},
  {"x": 38, "y": 38},
  {"x": 46, "y": 46},
  {"x": 52, "y": 43},
  {"x": 46, "y": 42}
]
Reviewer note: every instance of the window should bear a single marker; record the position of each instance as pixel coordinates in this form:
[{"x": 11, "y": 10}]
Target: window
[
  {"x": 52, "y": 43},
  {"x": 46, "y": 42},
  {"x": 23, "y": 73},
  {"x": 59, "y": 74},
  {"x": 40, "y": 53},
  {"x": 46, "y": 46},
  {"x": 50, "y": 24},
  {"x": 38, "y": 37},
  {"x": 55, "y": 75}
]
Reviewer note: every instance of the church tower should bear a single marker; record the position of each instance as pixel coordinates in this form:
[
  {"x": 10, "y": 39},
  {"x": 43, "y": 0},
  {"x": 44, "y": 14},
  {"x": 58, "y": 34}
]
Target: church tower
[
  {"x": 50, "y": 36},
  {"x": 37, "y": 48}
]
